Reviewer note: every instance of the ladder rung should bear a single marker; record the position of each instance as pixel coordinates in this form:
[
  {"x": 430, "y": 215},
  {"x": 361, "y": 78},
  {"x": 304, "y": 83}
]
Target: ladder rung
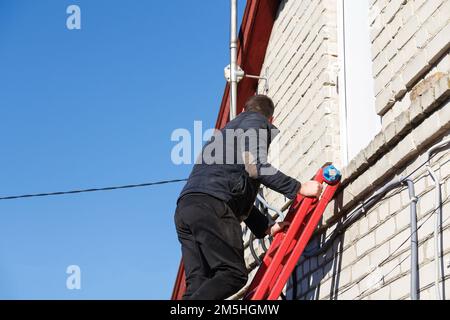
[{"x": 288, "y": 246}]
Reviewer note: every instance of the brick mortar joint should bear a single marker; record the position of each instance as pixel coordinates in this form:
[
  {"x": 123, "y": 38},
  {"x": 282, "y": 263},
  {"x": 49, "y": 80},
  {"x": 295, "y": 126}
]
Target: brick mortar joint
[
  {"x": 385, "y": 283},
  {"x": 394, "y": 193},
  {"x": 324, "y": 228},
  {"x": 387, "y": 175},
  {"x": 405, "y": 274},
  {"x": 398, "y": 96},
  {"x": 389, "y": 145},
  {"x": 395, "y": 213},
  {"x": 397, "y": 254}
]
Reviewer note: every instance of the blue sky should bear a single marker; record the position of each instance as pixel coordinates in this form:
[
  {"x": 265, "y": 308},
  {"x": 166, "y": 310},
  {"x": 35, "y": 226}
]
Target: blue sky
[{"x": 96, "y": 107}]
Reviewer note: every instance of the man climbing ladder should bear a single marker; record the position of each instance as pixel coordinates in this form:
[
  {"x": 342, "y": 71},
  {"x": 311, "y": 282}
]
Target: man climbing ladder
[{"x": 220, "y": 194}]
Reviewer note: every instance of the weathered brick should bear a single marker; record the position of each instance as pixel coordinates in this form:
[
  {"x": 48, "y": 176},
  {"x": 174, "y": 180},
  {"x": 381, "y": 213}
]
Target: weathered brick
[
  {"x": 405, "y": 262},
  {"x": 398, "y": 86},
  {"x": 416, "y": 67},
  {"x": 404, "y": 195},
  {"x": 400, "y": 241},
  {"x": 345, "y": 276},
  {"x": 385, "y": 100},
  {"x": 416, "y": 112},
  {"x": 420, "y": 185},
  {"x": 385, "y": 231},
  {"x": 427, "y": 227},
  {"x": 365, "y": 244},
  {"x": 426, "y": 202},
  {"x": 380, "y": 253},
  {"x": 362, "y": 183},
  {"x": 373, "y": 219},
  {"x": 427, "y": 273},
  {"x": 427, "y": 250},
  {"x": 383, "y": 213},
  {"x": 379, "y": 63},
  {"x": 363, "y": 227},
  {"x": 407, "y": 32},
  {"x": 360, "y": 268},
  {"x": 403, "y": 219},
  {"x": 381, "y": 294},
  {"x": 427, "y": 294},
  {"x": 404, "y": 149},
  {"x": 375, "y": 147},
  {"x": 446, "y": 235},
  {"x": 444, "y": 118},
  {"x": 443, "y": 65},
  {"x": 442, "y": 89},
  {"x": 390, "y": 133},
  {"x": 400, "y": 288},
  {"x": 431, "y": 126},
  {"x": 402, "y": 123},
  {"x": 348, "y": 257},
  {"x": 358, "y": 164},
  {"x": 427, "y": 10},
  {"x": 438, "y": 46},
  {"x": 350, "y": 293}
]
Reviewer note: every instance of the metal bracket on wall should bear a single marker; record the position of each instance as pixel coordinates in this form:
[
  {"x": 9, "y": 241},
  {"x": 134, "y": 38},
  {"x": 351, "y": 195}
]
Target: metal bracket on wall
[
  {"x": 265, "y": 78},
  {"x": 240, "y": 74}
]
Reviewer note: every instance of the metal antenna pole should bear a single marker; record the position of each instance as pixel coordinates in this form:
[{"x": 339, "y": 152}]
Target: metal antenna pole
[{"x": 233, "y": 65}]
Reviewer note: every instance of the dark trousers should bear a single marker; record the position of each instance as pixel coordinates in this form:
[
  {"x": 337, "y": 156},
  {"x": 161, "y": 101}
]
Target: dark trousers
[{"x": 212, "y": 248}]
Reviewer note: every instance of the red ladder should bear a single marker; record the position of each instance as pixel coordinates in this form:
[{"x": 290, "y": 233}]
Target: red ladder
[{"x": 287, "y": 247}]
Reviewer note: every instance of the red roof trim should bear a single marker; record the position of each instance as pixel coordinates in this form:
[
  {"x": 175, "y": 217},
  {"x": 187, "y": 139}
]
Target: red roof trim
[
  {"x": 256, "y": 28},
  {"x": 180, "y": 284},
  {"x": 254, "y": 36}
]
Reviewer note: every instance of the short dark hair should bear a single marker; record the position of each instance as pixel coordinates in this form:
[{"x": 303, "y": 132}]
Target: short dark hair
[{"x": 262, "y": 104}]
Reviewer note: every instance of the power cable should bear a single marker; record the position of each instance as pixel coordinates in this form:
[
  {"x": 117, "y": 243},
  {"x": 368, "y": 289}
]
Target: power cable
[
  {"x": 60, "y": 193},
  {"x": 389, "y": 257}
]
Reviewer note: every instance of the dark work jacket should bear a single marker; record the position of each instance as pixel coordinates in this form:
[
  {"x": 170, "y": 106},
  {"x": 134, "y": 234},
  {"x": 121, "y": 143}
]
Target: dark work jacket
[{"x": 233, "y": 181}]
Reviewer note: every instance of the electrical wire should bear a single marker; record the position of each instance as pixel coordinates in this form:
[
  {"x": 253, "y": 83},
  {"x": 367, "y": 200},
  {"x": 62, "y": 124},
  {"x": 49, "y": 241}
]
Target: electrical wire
[
  {"x": 389, "y": 257},
  {"x": 131, "y": 186},
  {"x": 398, "y": 264},
  {"x": 60, "y": 193},
  {"x": 351, "y": 218},
  {"x": 419, "y": 167}
]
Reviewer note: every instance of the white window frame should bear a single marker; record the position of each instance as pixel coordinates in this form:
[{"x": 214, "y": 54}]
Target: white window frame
[{"x": 356, "y": 129}]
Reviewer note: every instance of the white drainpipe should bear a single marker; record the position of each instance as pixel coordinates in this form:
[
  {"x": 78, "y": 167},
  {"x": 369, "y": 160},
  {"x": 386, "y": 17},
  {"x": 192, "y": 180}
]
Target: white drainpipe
[{"x": 233, "y": 65}]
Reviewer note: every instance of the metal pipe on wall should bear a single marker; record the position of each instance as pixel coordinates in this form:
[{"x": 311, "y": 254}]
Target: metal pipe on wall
[
  {"x": 439, "y": 266},
  {"x": 414, "y": 241},
  {"x": 414, "y": 289},
  {"x": 437, "y": 274},
  {"x": 233, "y": 59},
  {"x": 354, "y": 216}
]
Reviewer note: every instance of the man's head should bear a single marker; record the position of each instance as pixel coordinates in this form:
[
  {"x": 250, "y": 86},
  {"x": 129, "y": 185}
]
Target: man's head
[{"x": 262, "y": 104}]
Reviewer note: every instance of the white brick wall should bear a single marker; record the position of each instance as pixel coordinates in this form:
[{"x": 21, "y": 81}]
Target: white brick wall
[
  {"x": 365, "y": 248},
  {"x": 300, "y": 59},
  {"x": 408, "y": 38},
  {"x": 411, "y": 64}
]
